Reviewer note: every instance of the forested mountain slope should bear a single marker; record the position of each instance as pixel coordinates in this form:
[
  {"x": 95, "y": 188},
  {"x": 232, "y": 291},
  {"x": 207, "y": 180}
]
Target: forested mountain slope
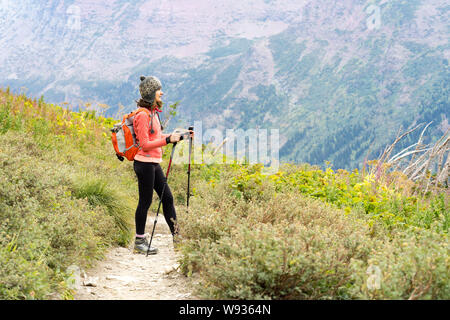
[{"x": 337, "y": 78}]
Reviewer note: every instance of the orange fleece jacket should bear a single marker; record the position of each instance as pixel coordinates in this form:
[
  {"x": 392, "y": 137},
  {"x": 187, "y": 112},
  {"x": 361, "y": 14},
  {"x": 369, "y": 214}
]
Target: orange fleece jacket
[{"x": 150, "y": 144}]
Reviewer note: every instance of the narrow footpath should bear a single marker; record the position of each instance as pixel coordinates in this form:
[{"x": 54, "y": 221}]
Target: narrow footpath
[{"x": 124, "y": 275}]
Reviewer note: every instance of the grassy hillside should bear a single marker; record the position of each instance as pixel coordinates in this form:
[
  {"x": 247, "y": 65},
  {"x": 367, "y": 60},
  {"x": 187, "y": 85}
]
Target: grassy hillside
[
  {"x": 63, "y": 200},
  {"x": 303, "y": 233},
  {"x": 308, "y": 234}
]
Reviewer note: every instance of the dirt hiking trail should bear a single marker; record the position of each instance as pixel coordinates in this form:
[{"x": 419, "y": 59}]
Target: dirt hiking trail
[{"x": 124, "y": 275}]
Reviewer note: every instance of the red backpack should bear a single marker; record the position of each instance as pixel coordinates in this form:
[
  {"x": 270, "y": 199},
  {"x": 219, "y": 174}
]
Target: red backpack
[{"x": 124, "y": 138}]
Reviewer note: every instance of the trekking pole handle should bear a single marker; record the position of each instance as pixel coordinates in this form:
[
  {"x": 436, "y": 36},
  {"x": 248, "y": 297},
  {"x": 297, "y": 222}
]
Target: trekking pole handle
[{"x": 190, "y": 129}]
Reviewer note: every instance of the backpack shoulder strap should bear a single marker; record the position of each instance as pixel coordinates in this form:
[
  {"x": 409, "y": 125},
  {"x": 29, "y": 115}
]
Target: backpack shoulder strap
[
  {"x": 143, "y": 109},
  {"x": 135, "y": 112},
  {"x": 160, "y": 123}
]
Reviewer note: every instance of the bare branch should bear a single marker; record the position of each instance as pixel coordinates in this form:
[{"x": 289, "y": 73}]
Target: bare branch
[
  {"x": 393, "y": 159},
  {"x": 422, "y": 158},
  {"x": 413, "y": 165},
  {"x": 419, "y": 142},
  {"x": 388, "y": 150},
  {"x": 444, "y": 174},
  {"x": 217, "y": 149}
]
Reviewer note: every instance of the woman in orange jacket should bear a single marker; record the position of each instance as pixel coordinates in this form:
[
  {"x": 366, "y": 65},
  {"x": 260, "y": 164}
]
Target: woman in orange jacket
[{"x": 147, "y": 161}]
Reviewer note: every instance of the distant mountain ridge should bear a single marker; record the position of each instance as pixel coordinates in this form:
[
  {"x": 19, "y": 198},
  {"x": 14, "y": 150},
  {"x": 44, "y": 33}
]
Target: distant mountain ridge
[{"x": 338, "y": 78}]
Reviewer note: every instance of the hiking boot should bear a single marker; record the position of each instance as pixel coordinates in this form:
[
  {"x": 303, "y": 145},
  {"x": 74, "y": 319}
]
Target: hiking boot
[{"x": 141, "y": 246}]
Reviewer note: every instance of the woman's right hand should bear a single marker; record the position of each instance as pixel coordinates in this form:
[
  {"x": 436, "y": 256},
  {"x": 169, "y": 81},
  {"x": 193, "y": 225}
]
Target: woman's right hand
[{"x": 175, "y": 137}]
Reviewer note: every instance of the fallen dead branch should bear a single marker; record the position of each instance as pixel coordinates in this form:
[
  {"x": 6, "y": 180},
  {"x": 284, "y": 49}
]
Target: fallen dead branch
[{"x": 418, "y": 161}]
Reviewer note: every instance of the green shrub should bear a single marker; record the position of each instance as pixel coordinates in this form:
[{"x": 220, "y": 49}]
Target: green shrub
[
  {"x": 9, "y": 121},
  {"x": 257, "y": 241},
  {"x": 298, "y": 248},
  {"x": 412, "y": 265},
  {"x": 45, "y": 226},
  {"x": 293, "y": 248},
  {"x": 100, "y": 193},
  {"x": 22, "y": 278}
]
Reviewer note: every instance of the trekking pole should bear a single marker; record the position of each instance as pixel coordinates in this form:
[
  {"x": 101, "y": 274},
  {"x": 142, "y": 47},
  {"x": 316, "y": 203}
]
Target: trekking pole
[
  {"x": 162, "y": 195},
  {"x": 189, "y": 172}
]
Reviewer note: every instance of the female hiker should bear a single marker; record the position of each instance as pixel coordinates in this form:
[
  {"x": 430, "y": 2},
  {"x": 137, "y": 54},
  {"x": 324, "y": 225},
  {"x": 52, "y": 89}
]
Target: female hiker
[{"x": 147, "y": 161}]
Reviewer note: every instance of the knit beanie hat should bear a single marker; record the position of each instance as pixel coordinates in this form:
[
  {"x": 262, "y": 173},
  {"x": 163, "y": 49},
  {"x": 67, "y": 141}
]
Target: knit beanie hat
[{"x": 148, "y": 88}]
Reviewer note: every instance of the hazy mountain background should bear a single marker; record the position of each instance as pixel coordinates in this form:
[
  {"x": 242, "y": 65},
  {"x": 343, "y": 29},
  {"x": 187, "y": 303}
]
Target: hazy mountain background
[{"x": 338, "y": 78}]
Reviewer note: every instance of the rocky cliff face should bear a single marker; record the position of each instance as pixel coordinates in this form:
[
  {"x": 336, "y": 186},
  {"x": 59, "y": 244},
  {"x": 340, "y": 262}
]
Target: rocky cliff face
[{"x": 336, "y": 77}]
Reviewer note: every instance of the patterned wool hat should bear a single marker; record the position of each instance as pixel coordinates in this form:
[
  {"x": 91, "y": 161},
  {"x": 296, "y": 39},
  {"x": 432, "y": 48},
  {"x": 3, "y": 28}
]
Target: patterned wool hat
[{"x": 148, "y": 88}]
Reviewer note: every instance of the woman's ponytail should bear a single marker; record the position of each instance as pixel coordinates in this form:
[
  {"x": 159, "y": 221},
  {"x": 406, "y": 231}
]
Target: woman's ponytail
[{"x": 144, "y": 104}]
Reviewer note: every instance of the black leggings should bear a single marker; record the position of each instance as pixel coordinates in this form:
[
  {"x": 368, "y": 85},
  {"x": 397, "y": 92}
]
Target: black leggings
[{"x": 150, "y": 175}]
